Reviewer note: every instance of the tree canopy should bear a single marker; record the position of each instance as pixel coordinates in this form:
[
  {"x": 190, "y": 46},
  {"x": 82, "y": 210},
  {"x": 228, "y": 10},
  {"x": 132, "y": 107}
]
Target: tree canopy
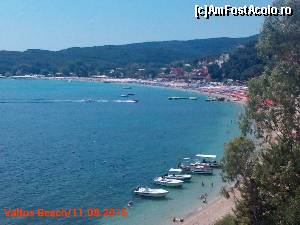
[
  {"x": 244, "y": 63},
  {"x": 270, "y": 188}
]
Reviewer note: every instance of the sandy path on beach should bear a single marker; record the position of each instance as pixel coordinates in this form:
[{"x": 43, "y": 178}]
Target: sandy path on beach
[{"x": 210, "y": 213}]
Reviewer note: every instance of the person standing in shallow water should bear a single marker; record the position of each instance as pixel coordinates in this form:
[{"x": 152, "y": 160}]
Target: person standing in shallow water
[{"x": 175, "y": 219}]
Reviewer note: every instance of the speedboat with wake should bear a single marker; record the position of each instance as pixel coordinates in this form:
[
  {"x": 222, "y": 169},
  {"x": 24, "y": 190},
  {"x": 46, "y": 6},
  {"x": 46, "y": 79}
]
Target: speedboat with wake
[
  {"x": 149, "y": 192},
  {"x": 127, "y": 101},
  {"x": 88, "y": 100},
  {"x": 167, "y": 182}
]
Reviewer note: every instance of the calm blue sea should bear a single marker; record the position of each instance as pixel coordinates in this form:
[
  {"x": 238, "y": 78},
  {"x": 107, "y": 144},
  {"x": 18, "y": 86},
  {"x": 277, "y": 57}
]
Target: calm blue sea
[{"x": 57, "y": 151}]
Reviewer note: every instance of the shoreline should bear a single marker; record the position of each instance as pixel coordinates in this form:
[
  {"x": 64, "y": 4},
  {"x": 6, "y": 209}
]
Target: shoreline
[
  {"x": 181, "y": 86},
  {"x": 212, "y": 212},
  {"x": 231, "y": 93}
]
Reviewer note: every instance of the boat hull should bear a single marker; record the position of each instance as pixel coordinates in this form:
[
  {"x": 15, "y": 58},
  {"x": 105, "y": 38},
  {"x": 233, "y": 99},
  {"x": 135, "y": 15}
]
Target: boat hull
[
  {"x": 158, "y": 195},
  {"x": 168, "y": 184},
  {"x": 148, "y": 192},
  {"x": 204, "y": 172},
  {"x": 215, "y": 165},
  {"x": 183, "y": 178}
]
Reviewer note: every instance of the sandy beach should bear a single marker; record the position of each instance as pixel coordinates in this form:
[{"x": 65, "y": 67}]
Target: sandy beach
[
  {"x": 230, "y": 93},
  {"x": 210, "y": 213}
]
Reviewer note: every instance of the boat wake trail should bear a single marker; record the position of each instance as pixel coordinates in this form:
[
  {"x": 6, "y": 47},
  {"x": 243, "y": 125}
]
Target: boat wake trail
[{"x": 48, "y": 101}]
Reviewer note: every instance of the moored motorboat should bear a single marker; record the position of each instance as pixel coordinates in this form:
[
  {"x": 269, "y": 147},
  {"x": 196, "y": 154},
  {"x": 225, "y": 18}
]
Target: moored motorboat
[
  {"x": 202, "y": 169},
  {"x": 211, "y": 99},
  {"x": 185, "y": 168},
  {"x": 167, "y": 182},
  {"x": 210, "y": 160},
  {"x": 177, "y": 98},
  {"x": 149, "y": 192},
  {"x": 177, "y": 175}
]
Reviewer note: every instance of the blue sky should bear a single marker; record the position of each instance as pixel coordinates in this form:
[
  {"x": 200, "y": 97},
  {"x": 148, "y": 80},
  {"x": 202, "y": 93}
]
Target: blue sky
[{"x": 58, "y": 24}]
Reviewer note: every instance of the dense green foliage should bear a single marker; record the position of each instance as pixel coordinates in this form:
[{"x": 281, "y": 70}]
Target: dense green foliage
[
  {"x": 227, "y": 220},
  {"x": 215, "y": 72},
  {"x": 90, "y": 60},
  {"x": 244, "y": 63},
  {"x": 238, "y": 150},
  {"x": 268, "y": 178}
]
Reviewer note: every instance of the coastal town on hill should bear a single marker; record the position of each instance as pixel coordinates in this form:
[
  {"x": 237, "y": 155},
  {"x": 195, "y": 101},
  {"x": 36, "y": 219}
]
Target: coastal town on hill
[{"x": 197, "y": 76}]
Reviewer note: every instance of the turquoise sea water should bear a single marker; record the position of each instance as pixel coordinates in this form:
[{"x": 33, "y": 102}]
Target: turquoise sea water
[{"x": 59, "y": 152}]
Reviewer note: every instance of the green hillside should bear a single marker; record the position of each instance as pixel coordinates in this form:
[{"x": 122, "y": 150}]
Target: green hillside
[{"x": 90, "y": 60}]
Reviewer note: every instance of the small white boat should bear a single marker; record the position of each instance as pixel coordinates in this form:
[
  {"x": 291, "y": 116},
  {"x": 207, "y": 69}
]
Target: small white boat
[
  {"x": 149, "y": 192},
  {"x": 210, "y": 160},
  {"x": 177, "y": 175},
  {"x": 132, "y": 101},
  {"x": 202, "y": 169},
  {"x": 168, "y": 182},
  {"x": 211, "y": 99},
  {"x": 177, "y": 98},
  {"x": 126, "y": 101},
  {"x": 185, "y": 168}
]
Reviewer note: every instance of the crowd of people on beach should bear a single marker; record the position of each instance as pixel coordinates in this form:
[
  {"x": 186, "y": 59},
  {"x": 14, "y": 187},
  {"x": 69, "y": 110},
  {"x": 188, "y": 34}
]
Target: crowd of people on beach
[{"x": 231, "y": 91}]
